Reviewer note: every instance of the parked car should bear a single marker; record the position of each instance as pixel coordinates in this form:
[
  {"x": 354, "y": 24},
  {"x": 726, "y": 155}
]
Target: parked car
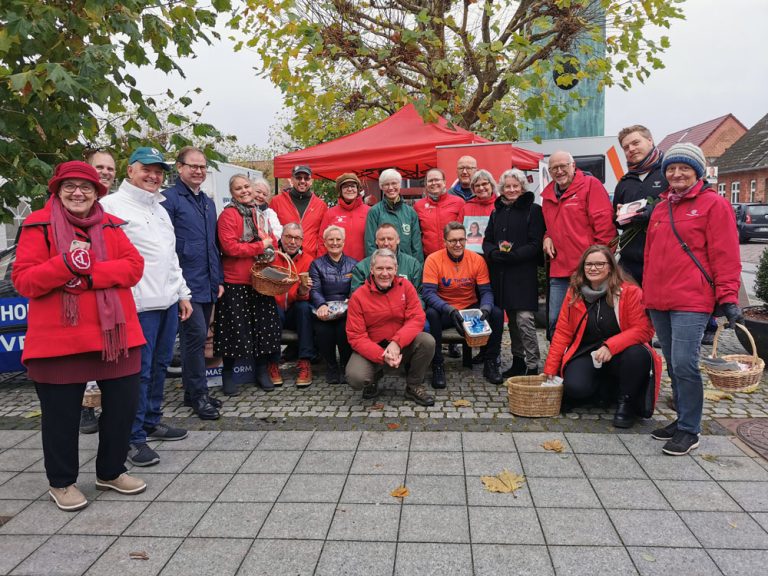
[{"x": 751, "y": 221}]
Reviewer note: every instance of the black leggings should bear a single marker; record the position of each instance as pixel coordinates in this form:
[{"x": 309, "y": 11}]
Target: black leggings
[
  {"x": 332, "y": 334},
  {"x": 626, "y": 374}
]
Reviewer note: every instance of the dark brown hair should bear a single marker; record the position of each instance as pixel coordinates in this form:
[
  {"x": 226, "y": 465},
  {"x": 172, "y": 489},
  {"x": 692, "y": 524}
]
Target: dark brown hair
[{"x": 616, "y": 275}]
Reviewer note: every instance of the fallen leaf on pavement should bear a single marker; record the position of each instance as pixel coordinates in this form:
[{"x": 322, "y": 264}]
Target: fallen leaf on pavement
[
  {"x": 400, "y": 492},
  {"x": 393, "y": 425},
  {"x": 553, "y": 446},
  {"x": 716, "y": 395},
  {"x": 709, "y": 457},
  {"x": 649, "y": 557},
  {"x": 506, "y": 482},
  {"x": 377, "y": 406},
  {"x": 33, "y": 414},
  {"x": 138, "y": 555},
  {"x": 462, "y": 403},
  {"x": 732, "y": 524}
]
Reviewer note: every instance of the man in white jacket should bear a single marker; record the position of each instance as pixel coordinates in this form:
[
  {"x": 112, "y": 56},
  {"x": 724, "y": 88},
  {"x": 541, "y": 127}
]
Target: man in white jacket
[{"x": 161, "y": 296}]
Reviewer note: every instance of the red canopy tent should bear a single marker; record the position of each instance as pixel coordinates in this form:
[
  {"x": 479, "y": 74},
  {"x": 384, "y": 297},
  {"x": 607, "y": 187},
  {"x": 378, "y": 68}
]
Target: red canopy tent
[{"x": 402, "y": 141}]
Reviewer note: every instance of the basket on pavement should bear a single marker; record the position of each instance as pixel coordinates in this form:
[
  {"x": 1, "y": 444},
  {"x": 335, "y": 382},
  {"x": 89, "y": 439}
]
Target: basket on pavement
[
  {"x": 733, "y": 381},
  {"x": 268, "y": 286},
  {"x": 527, "y": 396}
]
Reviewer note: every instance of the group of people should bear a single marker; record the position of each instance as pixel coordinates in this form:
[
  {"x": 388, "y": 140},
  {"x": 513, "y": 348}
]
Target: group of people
[{"x": 112, "y": 278}]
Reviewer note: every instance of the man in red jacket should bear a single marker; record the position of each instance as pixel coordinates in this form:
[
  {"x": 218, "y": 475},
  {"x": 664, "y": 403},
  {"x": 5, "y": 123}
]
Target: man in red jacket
[
  {"x": 577, "y": 213},
  {"x": 300, "y": 205},
  {"x": 436, "y": 210},
  {"x": 384, "y": 327}
]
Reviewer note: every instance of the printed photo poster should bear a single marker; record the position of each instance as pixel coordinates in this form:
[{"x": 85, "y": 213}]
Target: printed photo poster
[{"x": 475, "y": 226}]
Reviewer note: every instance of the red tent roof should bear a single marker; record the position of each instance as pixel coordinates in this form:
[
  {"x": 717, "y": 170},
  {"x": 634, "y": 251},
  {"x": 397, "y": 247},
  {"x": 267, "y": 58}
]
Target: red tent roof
[{"x": 402, "y": 141}]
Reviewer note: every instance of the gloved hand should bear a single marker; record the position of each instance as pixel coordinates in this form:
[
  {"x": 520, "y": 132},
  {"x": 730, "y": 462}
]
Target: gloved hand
[
  {"x": 79, "y": 261},
  {"x": 458, "y": 321},
  {"x": 77, "y": 285},
  {"x": 499, "y": 256},
  {"x": 485, "y": 312},
  {"x": 732, "y": 312},
  {"x": 643, "y": 215}
]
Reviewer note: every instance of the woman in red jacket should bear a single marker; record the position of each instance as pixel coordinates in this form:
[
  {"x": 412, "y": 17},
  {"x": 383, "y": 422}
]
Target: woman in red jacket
[
  {"x": 349, "y": 213},
  {"x": 77, "y": 266},
  {"x": 601, "y": 336}
]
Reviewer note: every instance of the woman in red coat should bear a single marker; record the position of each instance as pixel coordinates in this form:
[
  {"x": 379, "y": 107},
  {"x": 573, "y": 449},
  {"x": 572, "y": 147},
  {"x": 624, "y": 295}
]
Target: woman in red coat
[
  {"x": 77, "y": 267},
  {"x": 601, "y": 338},
  {"x": 349, "y": 213}
]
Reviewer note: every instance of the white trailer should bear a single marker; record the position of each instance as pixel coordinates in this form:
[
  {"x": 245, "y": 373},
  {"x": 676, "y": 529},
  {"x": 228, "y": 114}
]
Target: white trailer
[{"x": 216, "y": 183}]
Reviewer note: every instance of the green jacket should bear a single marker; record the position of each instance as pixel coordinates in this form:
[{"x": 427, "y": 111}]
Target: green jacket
[
  {"x": 402, "y": 217},
  {"x": 407, "y": 267}
]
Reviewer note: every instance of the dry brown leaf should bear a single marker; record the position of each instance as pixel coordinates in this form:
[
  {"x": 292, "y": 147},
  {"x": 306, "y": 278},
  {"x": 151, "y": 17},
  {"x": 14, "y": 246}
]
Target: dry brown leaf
[
  {"x": 709, "y": 457},
  {"x": 138, "y": 555},
  {"x": 553, "y": 446},
  {"x": 377, "y": 406},
  {"x": 462, "y": 403},
  {"x": 716, "y": 395},
  {"x": 393, "y": 425},
  {"x": 506, "y": 482},
  {"x": 400, "y": 492},
  {"x": 33, "y": 414},
  {"x": 732, "y": 524}
]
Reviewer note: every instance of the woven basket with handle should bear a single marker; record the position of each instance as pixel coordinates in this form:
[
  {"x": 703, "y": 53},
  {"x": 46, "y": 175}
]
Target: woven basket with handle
[
  {"x": 269, "y": 286},
  {"x": 733, "y": 381}
]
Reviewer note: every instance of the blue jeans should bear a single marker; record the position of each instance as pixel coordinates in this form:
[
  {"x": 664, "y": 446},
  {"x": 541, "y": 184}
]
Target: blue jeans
[
  {"x": 557, "y": 289},
  {"x": 159, "y": 328},
  {"x": 298, "y": 317},
  {"x": 194, "y": 331},
  {"x": 680, "y": 336}
]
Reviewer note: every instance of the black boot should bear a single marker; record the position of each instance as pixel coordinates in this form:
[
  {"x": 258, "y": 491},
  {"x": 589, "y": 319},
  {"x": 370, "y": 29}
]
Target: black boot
[
  {"x": 438, "y": 376},
  {"x": 261, "y": 375},
  {"x": 625, "y": 414},
  {"x": 228, "y": 385},
  {"x": 491, "y": 371},
  {"x": 517, "y": 369}
]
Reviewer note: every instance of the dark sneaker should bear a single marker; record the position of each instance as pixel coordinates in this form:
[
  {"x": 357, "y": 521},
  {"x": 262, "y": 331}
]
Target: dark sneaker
[
  {"x": 681, "y": 443},
  {"x": 89, "y": 424},
  {"x": 491, "y": 371},
  {"x": 438, "y": 376},
  {"x": 332, "y": 375},
  {"x": 165, "y": 432},
  {"x": 665, "y": 433},
  {"x": 371, "y": 391},
  {"x": 420, "y": 395},
  {"x": 142, "y": 455},
  {"x": 454, "y": 351}
]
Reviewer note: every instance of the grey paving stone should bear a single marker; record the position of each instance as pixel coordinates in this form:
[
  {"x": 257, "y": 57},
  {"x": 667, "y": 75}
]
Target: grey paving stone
[
  {"x": 281, "y": 558},
  {"x": 532, "y": 441},
  {"x": 6, "y": 476},
  {"x": 24, "y": 486},
  {"x": 236, "y": 440},
  {"x": 752, "y": 496},
  {"x": 391, "y": 441},
  {"x": 195, "y": 488},
  {"x": 197, "y": 440},
  {"x": 563, "y": 493},
  {"x": 501, "y": 560},
  {"x": 14, "y": 548},
  {"x": 220, "y": 556},
  {"x": 167, "y": 519},
  {"x": 16, "y": 459},
  {"x": 232, "y": 519},
  {"x": 642, "y": 444},
  {"x": 490, "y": 463},
  {"x": 171, "y": 462},
  {"x": 379, "y": 462},
  {"x": 551, "y": 465},
  {"x": 611, "y": 466},
  {"x": 279, "y": 440},
  {"x": 436, "y": 442},
  {"x": 367, "y": 522},
  {"x": 371, "y": 489},
  {"x": 629, "y": 494},
  {"x": 64, "y": 555},
  {"x": 504, "y": 525},
  {"x": 589, "y": 560},
  {"x": 666, "y": 561},
  {"x": 439, "y": 490},
  {"x": 271, "y": 462},
  {"x": 253, "y": 488},
  {"x": 219, "y": 462},
  {"x": 691, "y": 495},
  {"x": 313, "y": 488},
  {"x": 325, "y": 462},
  {"x": 341, "y": 440},
  {"x": 435, "y": 463},
  {"x": 488, "y": 442},
  {"x": 116, "y": 561},
  {"x": 585, "y": 443},
  {"x": 718, "y": 446},
  {"x": 652, "y": 528},
  {"x": 477, "y": 495},
  {"x": 104, "y": 518},
  {"x": 577, "y": 527},
  {"x": 741, "y": 562},
  {"x": 726, "y": 530},
  {"x": 734, "y": 468},
  {"x": 40, "y": 517},
  {"x": 156, "y": 483},
  {"x": 433, "y": 560},
  {"x": 434, "y": 524},
  {"x": 369, "y": 558},
  {"x": 664, "y": 467},
  {"x": 302, "y": 521},
  {"x": 10, "y": 508}
]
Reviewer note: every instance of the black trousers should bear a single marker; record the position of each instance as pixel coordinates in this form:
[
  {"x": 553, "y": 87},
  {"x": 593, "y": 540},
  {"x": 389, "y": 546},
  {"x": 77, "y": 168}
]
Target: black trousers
[
  {"x": 625, "y": 375},
  {"x": 60, "y": 406},
  {"x": 332, "y": 334}
]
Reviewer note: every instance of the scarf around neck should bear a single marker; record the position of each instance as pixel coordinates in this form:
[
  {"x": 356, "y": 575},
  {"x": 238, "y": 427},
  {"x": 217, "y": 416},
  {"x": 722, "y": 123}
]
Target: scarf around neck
[
  {"x": 253, "y": 221},
  {"x": 591, "y": 295},
  {"x": 650, "y": 162},
  {"x": 675, "y": 197}
]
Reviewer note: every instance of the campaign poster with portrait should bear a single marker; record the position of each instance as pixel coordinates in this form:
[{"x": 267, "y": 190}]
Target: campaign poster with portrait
[{"x": 475, "y": 226}]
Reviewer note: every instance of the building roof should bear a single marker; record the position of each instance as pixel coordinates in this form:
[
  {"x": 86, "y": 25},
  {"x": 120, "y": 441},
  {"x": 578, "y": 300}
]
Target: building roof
[
  {"x": 695, "y": 134},
  {"x": 749, "y": 152}
]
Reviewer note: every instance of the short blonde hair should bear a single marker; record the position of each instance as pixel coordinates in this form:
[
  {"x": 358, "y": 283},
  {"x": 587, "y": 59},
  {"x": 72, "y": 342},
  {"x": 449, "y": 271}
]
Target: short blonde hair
[{"x": 334, "y": 228}]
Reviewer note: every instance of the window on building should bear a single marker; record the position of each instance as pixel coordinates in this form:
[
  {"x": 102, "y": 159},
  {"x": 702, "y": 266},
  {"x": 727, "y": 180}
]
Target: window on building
[
  {"x": 752, "y": 190},
  {"x": 721, "y": 189},
  {"x": 735, "y": 189}
]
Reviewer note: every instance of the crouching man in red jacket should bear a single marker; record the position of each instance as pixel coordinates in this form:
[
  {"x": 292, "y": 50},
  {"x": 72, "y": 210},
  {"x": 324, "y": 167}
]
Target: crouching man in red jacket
[{"x": 384, "y": 327}]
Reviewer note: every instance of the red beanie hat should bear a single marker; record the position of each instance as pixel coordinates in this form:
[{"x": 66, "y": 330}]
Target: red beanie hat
[{"x": 75, "y": 169}]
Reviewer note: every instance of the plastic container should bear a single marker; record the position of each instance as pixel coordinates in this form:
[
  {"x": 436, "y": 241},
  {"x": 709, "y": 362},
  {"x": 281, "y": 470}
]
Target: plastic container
[{"x": 475, "y": 339}]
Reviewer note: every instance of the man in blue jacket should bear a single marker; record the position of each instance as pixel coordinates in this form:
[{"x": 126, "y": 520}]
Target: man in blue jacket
[{"x": 193, "y": 214}]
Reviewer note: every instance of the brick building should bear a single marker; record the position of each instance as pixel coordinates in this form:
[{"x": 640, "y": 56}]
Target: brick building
[
  {"x": 743, "y": 168},
  {"x": 714, "y": 137}
]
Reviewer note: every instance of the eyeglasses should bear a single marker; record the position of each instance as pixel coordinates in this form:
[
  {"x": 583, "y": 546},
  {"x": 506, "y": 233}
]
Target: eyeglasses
[
  {"x": 456, "y": 241},
  {"x": 595, "y": 265},
  {"x": 193, "y": 167},
  {"x": 293, "y": 238},
  {"x": 466, "y": 168},
  {"x": 559, "y": 167},
  {"x": 86, "y": 189},
  {"x": 349, "y": 185},
  {"x": 434, "y": 180},
  {"x": 300, "y": 177}
]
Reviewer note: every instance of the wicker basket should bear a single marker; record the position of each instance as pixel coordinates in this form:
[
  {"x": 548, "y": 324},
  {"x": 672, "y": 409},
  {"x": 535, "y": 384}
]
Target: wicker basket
[
  {"x": 270, "y": 287},
  {"x": 527, "y": 396},
  {"x": 478, "y": 340},
  {"x": 731, "y": 381},
  {"x": 92, "y": 398}
]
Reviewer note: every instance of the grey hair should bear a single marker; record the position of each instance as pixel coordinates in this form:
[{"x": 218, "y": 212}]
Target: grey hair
[
  {"x": 383, "y": 253},
  {"x": 515, "y": 173},
  {"x": 482, "y": 175},
  {"x": 334, "y": 228},
  {"x": 293, "y": 226},
  {"x": 451, "y": 226},
  {"x": 568, "y": 154},
  {"x": 390, "y": 174},
  {"x": 262, "y": 180}
]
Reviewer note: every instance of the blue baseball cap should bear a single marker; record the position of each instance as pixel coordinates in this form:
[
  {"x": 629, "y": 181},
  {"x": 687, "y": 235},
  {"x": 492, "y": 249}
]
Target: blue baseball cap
[{"x": 146, "y": 155}]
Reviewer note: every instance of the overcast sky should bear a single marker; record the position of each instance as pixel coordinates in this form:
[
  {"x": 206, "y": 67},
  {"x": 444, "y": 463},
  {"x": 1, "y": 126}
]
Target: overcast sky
[{"x": 717, "y": 64}]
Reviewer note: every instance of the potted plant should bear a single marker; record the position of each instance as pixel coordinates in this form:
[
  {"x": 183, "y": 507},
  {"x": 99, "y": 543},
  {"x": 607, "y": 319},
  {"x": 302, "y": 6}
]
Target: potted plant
[{"x": 756, "y": 317}]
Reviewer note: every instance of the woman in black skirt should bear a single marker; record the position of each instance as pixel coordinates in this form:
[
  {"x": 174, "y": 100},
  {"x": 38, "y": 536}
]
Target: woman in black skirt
[{"x": 247, "y": 323}]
